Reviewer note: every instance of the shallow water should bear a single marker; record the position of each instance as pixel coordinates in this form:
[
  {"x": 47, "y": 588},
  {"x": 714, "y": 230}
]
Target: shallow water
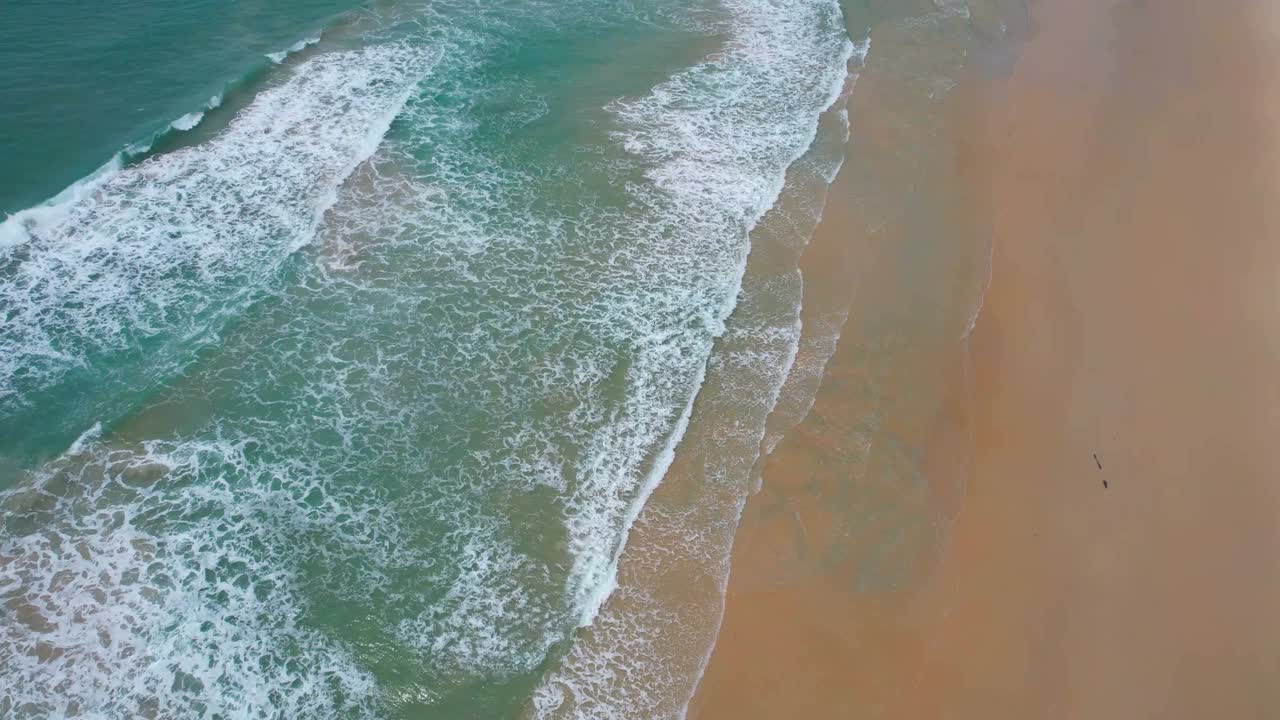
[{"x": 337, "y": 395}]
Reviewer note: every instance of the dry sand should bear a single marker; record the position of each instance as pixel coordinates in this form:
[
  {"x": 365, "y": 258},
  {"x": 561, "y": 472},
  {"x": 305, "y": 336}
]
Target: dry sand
[{"x": 936, "y": 540}]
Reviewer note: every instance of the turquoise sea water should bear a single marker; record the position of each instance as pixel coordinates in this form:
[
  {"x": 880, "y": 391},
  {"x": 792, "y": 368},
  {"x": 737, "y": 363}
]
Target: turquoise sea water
[
  {"x": 81, "y": 81},
  {"x": 352, "y": 338}
]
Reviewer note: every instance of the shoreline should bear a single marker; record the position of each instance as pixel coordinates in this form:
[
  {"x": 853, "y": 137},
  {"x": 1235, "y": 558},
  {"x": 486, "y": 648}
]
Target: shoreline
[
  {"x": 848, "y": 519},
  {"x": 656, "y": 626},
  {"x": 937, "y": 540}
]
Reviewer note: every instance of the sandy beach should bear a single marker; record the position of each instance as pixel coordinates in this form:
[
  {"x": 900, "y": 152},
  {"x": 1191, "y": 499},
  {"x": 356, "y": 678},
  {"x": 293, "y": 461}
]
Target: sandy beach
[{"x": 1071, "y": 511}]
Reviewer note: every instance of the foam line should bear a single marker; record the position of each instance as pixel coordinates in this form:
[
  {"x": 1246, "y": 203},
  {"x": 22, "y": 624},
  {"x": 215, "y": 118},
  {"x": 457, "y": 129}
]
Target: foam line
[
  {"x": 719, "y": 138},
  {"x": 165, "y": 251},
  {"x": 279, "y": 57}
]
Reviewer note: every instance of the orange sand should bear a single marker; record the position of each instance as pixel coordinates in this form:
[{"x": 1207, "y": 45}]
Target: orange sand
[{"x": 935, "y": 539}]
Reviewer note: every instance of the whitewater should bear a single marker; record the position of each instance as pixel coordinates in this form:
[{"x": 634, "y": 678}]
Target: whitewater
[{"x": 342, "y": 400}]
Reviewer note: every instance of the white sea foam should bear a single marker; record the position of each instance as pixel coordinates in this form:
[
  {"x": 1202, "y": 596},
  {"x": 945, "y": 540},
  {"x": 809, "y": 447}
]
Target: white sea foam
[
  {"x": 129, "y": 597},
  {"x": 188, "y": 121},
  {"x": 720, "y": 138},
  {"x": 719, "y": 151},
  {"x": 821, "y": 330},
  {"x": 174, "y": 245},
  {"x": 279, "y": 57},
  {"x": 486, "y": 347},
  {"x": 14, "y": 229},
  {"x": 637, "y": 299},
  {"x": 162, "y": 578},
  {"x": 85, "y": 438}
]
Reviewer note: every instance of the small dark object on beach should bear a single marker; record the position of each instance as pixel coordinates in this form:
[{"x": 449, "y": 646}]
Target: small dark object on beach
[
  {"x": 1105, "y": 485},
  {"x": 1095, "y": 459}
]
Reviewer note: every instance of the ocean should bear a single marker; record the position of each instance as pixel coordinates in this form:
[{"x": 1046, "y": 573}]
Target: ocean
[{"x": 341, "y": 345}]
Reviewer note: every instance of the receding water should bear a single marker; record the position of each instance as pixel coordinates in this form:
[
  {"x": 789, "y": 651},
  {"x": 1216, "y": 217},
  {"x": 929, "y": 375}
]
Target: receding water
[{"x": 335, "y": 393}]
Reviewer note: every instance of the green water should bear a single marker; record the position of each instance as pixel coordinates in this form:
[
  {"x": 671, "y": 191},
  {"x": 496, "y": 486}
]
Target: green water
[
  {"x": 80, "y": 81},
  {"x": 336, "y": 396}
]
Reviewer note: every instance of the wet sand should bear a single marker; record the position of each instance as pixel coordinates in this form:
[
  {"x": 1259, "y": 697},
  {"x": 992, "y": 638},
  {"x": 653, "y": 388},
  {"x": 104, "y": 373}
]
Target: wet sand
[{"x": 936, "y": 539}]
